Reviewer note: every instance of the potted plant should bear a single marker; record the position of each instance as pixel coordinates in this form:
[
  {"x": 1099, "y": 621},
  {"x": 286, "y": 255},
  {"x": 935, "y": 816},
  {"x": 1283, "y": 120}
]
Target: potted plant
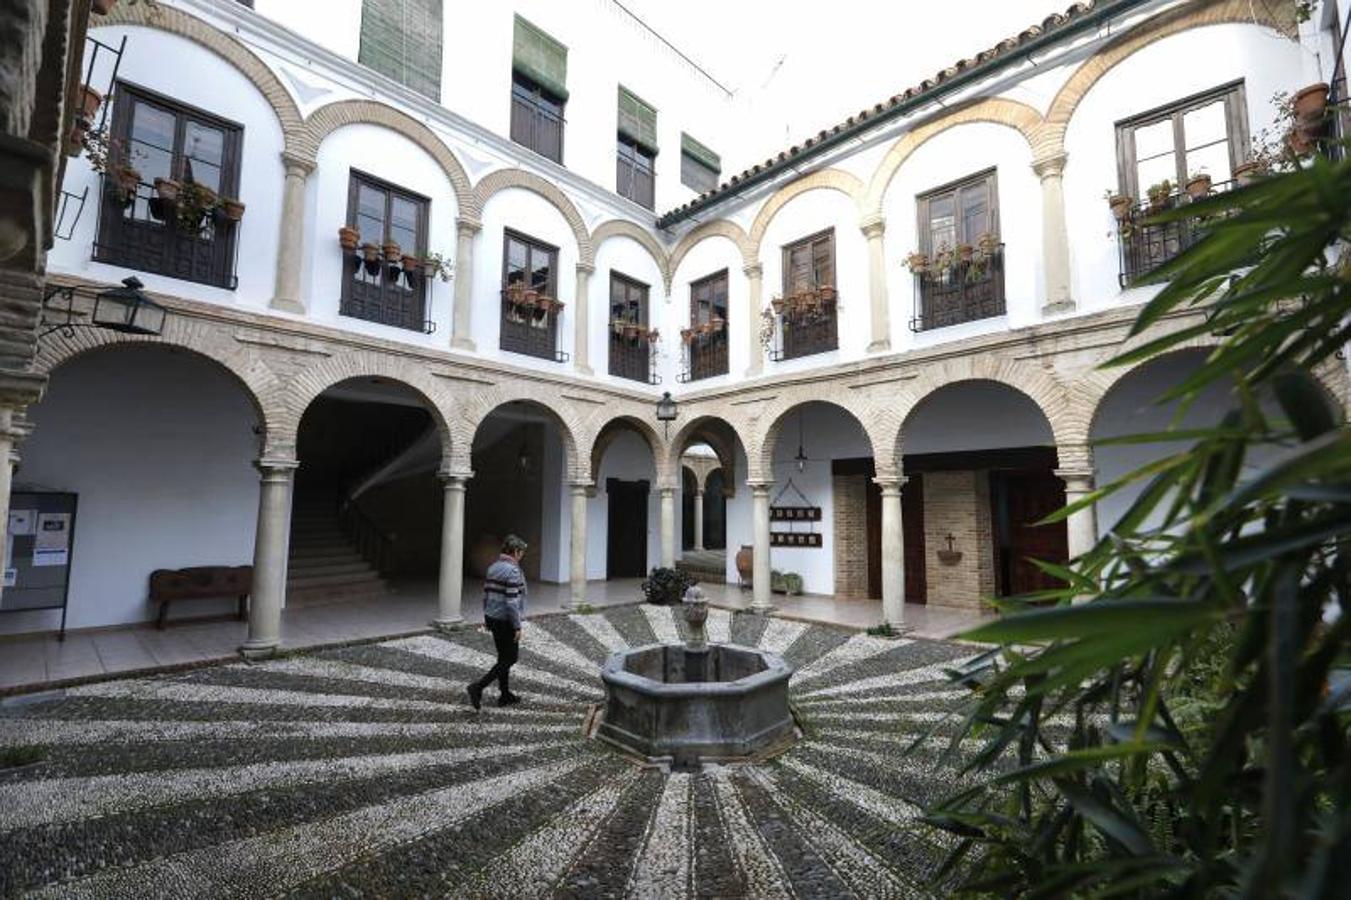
[
  {"x": 125, "y": 182},
  {"x": 370, "y": 255},
  {"x": 717, "y": 323},
  {"x": 778, "y": 303},
  {"x": 617, "y": 327},
  {"x": 410, "y": 263},
  {"x": 392, "y": 251},
  {"x": 348, "y": 238},
  {"x": 965, "y": 252},
  {"x": 167, "y": 189},
  {"x": 631, "y": 330},
  {"x": 194, "y": 202},
  {"x": 233, "y": 208},
  {"x": 90, "y": 101},
  {"x": 686, "y": 335},
  {"x": 1310, "y": 103},
  {"x": 1245, "y": 173},
  {"x": 516, "y": 293},
  {"x": 1121, "y": 205},
  {"x": 1159, "y": 194},
  {"x": 653, "y": 336},
  {"x": 434, "y": 265},
  {"x": 916, "y": 262},
  {"x": 1198, "y": 185},
  {"x": 986, "y": 244},
  {"x": 827, "y": 293},
  {"x": 944, "y": 260}
]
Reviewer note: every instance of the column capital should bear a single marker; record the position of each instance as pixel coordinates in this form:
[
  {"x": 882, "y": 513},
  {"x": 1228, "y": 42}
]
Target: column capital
[
  {"x": 276, "y": 465},
  {"x": 1050, "y": 166},
  {"x": 760, "y": 488},
  {"x": 873, "y": 226},
  {"x": 581, "y": 487},
  {"x": 585, "y": 268},
  {"x": 890, "y": 484},
  {"x": 467, "y": 227},
  {"x": 454, "y": 478},
  {"x": 300, "y": 165},
  {"x": 1076, "y": 479},
  {"x": 753, "y": 270},
  {"x": 1074, "y": 458}
]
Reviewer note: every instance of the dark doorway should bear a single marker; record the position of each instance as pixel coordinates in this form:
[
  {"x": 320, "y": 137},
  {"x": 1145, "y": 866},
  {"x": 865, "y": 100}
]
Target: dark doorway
[
  {"x": 715, "y": 511},
  {"x": 1019, "y": 499},
  {"x": 688, "y": 485},
  {"x": 626, "y": 541},
  {"x": 912, "y": 525}
]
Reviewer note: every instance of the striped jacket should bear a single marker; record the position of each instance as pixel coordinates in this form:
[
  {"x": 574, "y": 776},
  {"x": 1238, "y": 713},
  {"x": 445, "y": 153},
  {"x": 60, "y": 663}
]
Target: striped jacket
[{"x": 504, "y": 591}]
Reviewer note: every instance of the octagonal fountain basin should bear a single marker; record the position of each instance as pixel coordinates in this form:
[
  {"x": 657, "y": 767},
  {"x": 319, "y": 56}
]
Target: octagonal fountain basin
[{"x": 717, "y": 702}]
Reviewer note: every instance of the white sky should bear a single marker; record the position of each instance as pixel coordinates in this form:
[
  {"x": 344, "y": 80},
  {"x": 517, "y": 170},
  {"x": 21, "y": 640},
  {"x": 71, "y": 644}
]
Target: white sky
[{"x": 802, "y": 71}]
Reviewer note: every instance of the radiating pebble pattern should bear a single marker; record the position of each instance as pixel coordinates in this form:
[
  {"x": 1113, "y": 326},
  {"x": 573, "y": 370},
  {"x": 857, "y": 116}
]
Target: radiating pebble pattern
[{"x": 363, "y": 771}]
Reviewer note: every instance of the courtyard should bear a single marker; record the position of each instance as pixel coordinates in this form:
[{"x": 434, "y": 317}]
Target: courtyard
[{"x": 361, "y": 771}]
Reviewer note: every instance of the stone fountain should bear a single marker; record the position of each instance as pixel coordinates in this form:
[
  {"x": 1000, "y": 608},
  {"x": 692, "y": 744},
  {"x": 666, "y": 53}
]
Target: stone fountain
[{"x": 697, "y": 701}]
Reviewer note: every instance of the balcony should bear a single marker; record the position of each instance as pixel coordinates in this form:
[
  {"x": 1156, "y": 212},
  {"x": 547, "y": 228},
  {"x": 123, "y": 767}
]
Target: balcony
[
  {"x": 705, "y": 351},
  {"x": 956, "y": 286},
  {"x": 805, "y": 323},
  {"x": 530, "y": 324},
  {"x": 633, "y": 351},
  {"x": 1145, "y": 245},
  {"x": 386, "y": 291}
]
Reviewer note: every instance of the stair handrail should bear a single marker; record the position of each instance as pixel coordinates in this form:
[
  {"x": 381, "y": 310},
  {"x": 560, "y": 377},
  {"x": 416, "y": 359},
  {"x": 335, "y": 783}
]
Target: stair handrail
[{"x": 369, "y": 539}]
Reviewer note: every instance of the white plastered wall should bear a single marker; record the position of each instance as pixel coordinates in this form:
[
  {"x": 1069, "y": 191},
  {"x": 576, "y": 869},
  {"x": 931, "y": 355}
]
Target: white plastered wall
[
  {"x": 625, "y": 256},
  {"x": 705, "y": 258}
]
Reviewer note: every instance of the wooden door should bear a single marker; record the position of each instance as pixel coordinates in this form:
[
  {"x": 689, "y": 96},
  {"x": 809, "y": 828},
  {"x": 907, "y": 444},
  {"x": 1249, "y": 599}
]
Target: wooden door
[
  {"x": 873, "y": 518},
  {"x": 626, "y": 538},
  {"x": 912, "y": 539},
  {"x": 1019, "y": 499}
]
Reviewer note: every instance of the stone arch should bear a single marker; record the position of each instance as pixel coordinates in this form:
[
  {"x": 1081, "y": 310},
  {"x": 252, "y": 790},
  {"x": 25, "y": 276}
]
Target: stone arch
[
  {"x": 720, "y": 434},
  {"x": 174, "y": 21},
  {"x": 997, "y": 111},
  {"x": 825, "y": 179},
  {"x": 258, "y": 382},
  {"x": 1039, "y": 385},
  {"x": 328, "y": 119},
  {"x": 502, "y": 179},
  {"x": 482, "y": 403},
  {"x": 717, "y": 228},
  {"x": 613, "y": 228},
  {"x": 312, "y": 382},
  {"x": 775, "y": 413},
  {"x": 604, "y": 435},
  {"x": 1186, "y": 16}
]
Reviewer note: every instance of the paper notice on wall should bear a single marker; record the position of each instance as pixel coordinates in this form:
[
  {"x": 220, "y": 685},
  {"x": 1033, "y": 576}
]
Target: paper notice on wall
[
  {"x": 22, "y": 521},
  {"x": 51, "y": 545},
  {"x": 11, "y": 577}
]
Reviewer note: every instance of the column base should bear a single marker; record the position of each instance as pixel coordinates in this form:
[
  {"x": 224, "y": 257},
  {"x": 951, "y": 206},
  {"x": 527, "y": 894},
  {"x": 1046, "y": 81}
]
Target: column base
[
  {"x": 257, "y": 650},
  {"x": 881, "y": 346},
  {"x": 446, "y": 626},
  {"x": 761, "y": 610},
  {"x": 462, "y": 343},
  {"x": 585, "y": 370},
  {"x": 1060, "y": 307},
  {"x": 286, "y": 304}
]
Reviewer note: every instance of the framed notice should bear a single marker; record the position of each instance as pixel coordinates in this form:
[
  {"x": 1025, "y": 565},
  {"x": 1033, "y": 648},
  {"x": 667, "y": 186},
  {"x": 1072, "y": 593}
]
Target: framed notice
[
  {"x": 794, "y": 539},
  {"x": 39, "y": 547}
]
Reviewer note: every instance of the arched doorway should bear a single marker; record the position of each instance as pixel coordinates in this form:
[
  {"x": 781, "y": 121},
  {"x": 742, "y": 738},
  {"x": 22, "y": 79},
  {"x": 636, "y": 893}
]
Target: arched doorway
[{"x": 704, "y": 446}]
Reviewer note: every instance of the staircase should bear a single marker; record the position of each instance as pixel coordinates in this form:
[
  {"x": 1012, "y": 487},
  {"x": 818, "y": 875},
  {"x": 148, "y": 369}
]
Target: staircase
[
  {"x": 708, "y": 566},
  {"x": 324, "y": 566}
]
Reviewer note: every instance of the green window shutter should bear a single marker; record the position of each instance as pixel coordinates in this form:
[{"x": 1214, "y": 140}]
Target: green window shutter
[
  {"x": 706, "y": 157},
  {"x": 637, "y": 120},
  {"x": 402, "y": 39},
  {"x": 540, "y": 58}
]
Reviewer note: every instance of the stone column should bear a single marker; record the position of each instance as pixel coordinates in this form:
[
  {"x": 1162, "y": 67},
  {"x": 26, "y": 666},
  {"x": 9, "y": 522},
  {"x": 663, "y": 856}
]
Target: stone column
[
  {"x": 451, "y": 591},
  {"x": 577, "y": 566},
  {"x": 291, "y": 244},
  {"x": 754, "y": 300},
  {"x": 461, "y": 315},
  {"x": 698, "y": 520},
  {"x": 1054, "y": 235},
  {"x": 874, "y": 227},
  {"x": 8, "y": 459},
  {"x": 271, "y": 544},
  {"x": 760, "y": 568},
  {"x": 581, "y": 318},
  {"x": 668, "y": 538},
  {"x": 893, "y": 551},
  {"x": 1081, "y": 528}
]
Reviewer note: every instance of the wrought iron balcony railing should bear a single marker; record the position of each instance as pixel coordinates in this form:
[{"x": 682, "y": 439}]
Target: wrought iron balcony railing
[
  {"x": 705, "y": 351},
  {"x": 805, "y": 323},
  {"x": 1146, "y": 245},
  {"x": 957, "y": 287},
  {"x": 633, "y": 352},
  {"x": 530, "y": 324}
]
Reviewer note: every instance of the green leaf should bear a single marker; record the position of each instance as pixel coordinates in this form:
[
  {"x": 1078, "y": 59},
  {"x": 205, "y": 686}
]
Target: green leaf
[{"x": 1097, "y": 618}]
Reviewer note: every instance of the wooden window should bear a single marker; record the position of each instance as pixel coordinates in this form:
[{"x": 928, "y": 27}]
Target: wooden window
[
  {"x": 402, "y": 39},
  {"x": 538, "y": 90},
  {"x": 708, "y": 326},
  {"x": 959, "y": 233},
  {"x": 163, "y": 139},
  {"x": 383, "y": 291},
  {"x": 630, "y": 351},
  {"x": 1204, "y": 133},
  {"x": 636, "y": 175},
  {"x": 529, "y": 287},
  {"x": 807, "y": 322},
  {"x": 699, "y": 166}
]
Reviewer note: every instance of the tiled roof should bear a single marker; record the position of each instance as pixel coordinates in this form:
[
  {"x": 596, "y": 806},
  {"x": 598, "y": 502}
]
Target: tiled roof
[{"x": 1007, "y": 48}]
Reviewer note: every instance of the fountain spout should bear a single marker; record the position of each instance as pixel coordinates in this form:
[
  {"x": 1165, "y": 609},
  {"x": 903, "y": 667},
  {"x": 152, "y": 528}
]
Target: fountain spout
[{"x": 696, "y": 614}]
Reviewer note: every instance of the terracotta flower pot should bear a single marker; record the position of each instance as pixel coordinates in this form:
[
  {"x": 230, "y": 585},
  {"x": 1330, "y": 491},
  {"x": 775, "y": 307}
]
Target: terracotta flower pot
[
  {"x": 827, "y": 294},
  {"x": 1309, "y": 103},
  {"x": 965, "y": 252},
  {"x": 686, "y": 335},
  {"x": 745, "y": 561},
  {"x": 348, "y": 238},
  {"x": 370, "y": 253},
  {"x": 103, "y": 7},
  {"x": 1198, "y": 187},
  {"x": 777, "y": 303},
  {"x": 392, "y": 251},
  {"x": 411, "y": 263},
  {"x": 1121, "y": 206},
  {"x": 90, "y": 101},
  {"x": 167, "y": 189},
  {"x": 1246, "y": 173},
  {"x": 917, "y": 263},
  {"x": 233, "y": 209}
]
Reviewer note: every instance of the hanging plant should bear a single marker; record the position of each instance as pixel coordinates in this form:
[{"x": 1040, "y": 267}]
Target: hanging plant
[
  {"x": 348, "y": 238},
  {"x": 126, "y": 180},
  {"x": 90, "y": 101},
  {"x": 516, "y": 294},
  {"x": 766, "y": 329},
  {"x": 194, "y": 202},
  {"x": 233, "y": 209},
  {"x": 778, "y": 304},
  {"x": 392, "y": 251},
  {"x": 167, "y": 189},
  {"x": 1121, "y": 205},
  {"x": 917, "y": 262},
  {"x": 370, "y": 257},
  {"x": 434, "y": 265}
]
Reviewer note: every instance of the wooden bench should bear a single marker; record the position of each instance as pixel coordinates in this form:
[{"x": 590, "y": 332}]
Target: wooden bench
[{"x": 199, "y": 582}]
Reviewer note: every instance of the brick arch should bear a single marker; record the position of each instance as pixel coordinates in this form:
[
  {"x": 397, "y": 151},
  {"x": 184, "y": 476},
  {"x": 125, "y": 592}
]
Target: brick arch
[
  {"x": 601, "y": 437},
  {"x": 503, "y": 179},
  {"x": 997, "y": 111},
  {"x": 720, "y": 433},
  {"x": 613, "y": 228},
  {"x": 717, "y": 228},
  {"x": 825, "y": 179},
  {"x": 1171, "y": 22},
  {"x": 772, "y": 416},
  {"x": 328, "y": 119},
  {"x": 483, "y": 403},
  {"x": 1039, "y": 385},
  {"x": 258, "y": 383},
  {"x": 174, "y": 21},
  {"x": 302, "y": 390}
]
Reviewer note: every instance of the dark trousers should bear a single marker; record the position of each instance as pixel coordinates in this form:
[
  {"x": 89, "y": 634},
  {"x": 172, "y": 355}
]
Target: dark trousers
[{"x": 504, "y": 639}]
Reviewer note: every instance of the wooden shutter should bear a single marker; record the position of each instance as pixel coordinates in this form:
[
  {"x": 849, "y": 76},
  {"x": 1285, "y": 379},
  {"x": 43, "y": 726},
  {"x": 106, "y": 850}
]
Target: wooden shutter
[
  {"x": 402, "y": 39},
  {"x": 540, "y": 58},
  {"x": 637, "y": 121}
]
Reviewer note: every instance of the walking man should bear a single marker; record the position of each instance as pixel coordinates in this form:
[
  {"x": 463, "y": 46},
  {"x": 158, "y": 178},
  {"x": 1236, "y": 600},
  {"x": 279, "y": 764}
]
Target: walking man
[{"x": 503, "y": 606}]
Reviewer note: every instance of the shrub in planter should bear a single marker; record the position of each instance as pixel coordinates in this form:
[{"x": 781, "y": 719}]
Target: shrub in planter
[{"x": 667, "y": 585}]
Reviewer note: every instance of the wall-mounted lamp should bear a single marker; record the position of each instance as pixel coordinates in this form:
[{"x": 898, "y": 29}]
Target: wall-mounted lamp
[
  {"x": 667, "y": 410},
  {"x": 125, "y": 309}
]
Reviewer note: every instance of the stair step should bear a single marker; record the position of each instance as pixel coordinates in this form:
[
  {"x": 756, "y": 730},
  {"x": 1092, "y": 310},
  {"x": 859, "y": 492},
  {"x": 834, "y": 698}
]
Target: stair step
[
  {"x": 368, "y": 578},
  {"x": 318, "y": 596},
  {"x": 298, "y": 569},
  {"x": 324, "y": 557}
]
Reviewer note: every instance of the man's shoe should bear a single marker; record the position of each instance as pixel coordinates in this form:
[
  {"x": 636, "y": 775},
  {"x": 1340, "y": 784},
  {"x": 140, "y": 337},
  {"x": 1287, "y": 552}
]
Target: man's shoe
[
  {"x": 475, "y": 695},
  {"x": 508, "y": 699}
]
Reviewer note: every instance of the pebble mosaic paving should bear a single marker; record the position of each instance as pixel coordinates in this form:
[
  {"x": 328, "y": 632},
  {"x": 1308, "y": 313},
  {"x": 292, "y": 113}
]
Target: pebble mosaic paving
[{"x": 363, "y": 772}]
